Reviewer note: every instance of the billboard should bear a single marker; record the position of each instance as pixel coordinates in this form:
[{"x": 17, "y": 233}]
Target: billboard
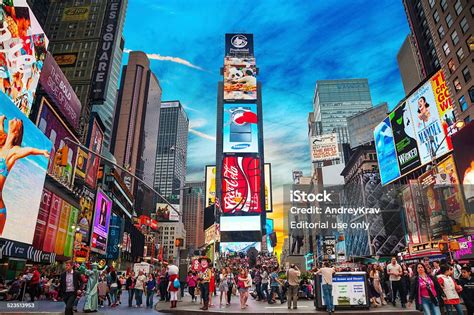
[
  {"x": 386, "y": 155},
  {"x": 86, "y": 202},
  {"x": 96, "y": 137},
  {"x": 100, "y": 228},
  {"x": 240, "y": 223},
  {"x": 405, "y": 139},
  {"x": 52, "y": 226},
  {"x": 21, "y": 58},
  {"x": 241, "y": 185},
  {"x": 103, "y": 62},
  {"x": 270, "y": 228},
  {"x": 57, "y": 87},
  {"x": 239, "y": 44},
  {"x": 24, "y": 159},
  {"x": 71, "y": 231},
  {"x": 66, "y": 59},
  {"x": 267, "y": 171},
  {"x": 238, "y": 247},
  {"x": 62, "y": 228},
  {"x": 463, "y": 143},
  {"x": 210, "y": 185},
  {"x": 165, "y": 213},
  {"x": 114, "y": 238},
  {"x": 240, "y": 130},
  {"x": 412, "y": 224},
  {"x": 428, "y": 129},
  {"x": 55, "y": 129},
  {"x": 240, "y": 79},
  {"x": 76, "y": 14},
  {"x": 444, "y": 103},
  {"x": 324, "y": 147},
  {"x": 42, "y": 221}
]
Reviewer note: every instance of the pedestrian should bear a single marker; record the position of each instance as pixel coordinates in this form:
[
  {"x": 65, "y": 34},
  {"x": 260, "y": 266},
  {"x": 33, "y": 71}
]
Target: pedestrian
[
  {"x": 173, "y": 286},
  {"x": 435, "y": 269},
  {"x": 395, "y": 271},
  {"x": 230, "y": 279},
  {"x": 467, "y": 294},
  {"x": 204, "y": 278},
  {"x": 163, "y": 284},
  {"x": 150, "y": 290},
  {"x": 275, "y": 283},
  {"x": 456, "y": 269},
  {"x": 130, "y": 287},
  {"x": 139, "y": 288},
  {"x": 375, "y": 275},
  {"x": 450, "y": 289},
  {"x": 326, "y": 274},
  {"x": 34, "y": 283},
  {"x": 265, "y": 279},
  {"x": 191, "y": 280},
  {"x": 103, "y": 289},
  {"x": 425, "y": 291},
  {"x": 244, "y": 282},
  {"x": 212, "y": 286},
  {"x": 223, "y": 288},
  {"x": 114, "y": 287},
  {"x": 69, "y": 287},
  {"x": 293, "y": 278},
  {"x": 257, "y": 280}
]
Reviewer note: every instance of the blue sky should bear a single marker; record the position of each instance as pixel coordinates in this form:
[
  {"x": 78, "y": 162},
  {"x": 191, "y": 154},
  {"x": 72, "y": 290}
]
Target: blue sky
[{"x": 296, "y": 44}]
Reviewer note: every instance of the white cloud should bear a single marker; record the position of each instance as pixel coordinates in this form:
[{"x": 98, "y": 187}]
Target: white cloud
[
  {"x": 202, "y": 134},
  {"x": 170, "y": 58}
]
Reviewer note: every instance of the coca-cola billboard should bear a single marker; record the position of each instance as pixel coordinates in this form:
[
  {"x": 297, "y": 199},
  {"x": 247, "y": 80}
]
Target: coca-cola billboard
[{"x": 241, "y": 185}]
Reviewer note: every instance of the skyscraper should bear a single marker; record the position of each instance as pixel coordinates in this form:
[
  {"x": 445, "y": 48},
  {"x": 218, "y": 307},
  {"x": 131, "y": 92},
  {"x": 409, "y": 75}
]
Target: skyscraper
[
  {"x": 193, "y": 213},
  {"x": 170, "y": 163},
  {"x": 336, "y": 100},
  {"x": 135, "y": 130},
  {"x": 86, "y": 41},
  {"x": 361, "y": 126},
  {"x": 410, "y": 68}
]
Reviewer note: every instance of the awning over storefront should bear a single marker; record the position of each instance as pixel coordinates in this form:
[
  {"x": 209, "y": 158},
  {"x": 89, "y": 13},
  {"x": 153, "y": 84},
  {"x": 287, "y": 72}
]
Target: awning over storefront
[{"x": 25, "y": 251}]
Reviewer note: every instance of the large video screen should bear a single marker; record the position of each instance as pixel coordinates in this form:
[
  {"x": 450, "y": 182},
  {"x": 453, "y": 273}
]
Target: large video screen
[
  {"x": 240, "y": 130},
  {"x": 240, "y": 79},
  {"x": 210, "y": 185},
  {"x": 100, "y": 228},
  {"x": 24, "y": 156},
  {"x": 165, "y": 213},
  {"x": 386, "y": 155},
  {"x": 463, "y": 143},
  {"x": 238, "y": 247},
  {"x": 241, "y": 181},
  {"x": 240, "y": 223}
]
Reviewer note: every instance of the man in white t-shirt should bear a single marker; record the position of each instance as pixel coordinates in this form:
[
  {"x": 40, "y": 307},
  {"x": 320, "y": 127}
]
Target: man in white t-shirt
[
  {"x": 326, "y": 274},
  {"x": 395, "y": 272},
  {"x": 139, "y": 288}
]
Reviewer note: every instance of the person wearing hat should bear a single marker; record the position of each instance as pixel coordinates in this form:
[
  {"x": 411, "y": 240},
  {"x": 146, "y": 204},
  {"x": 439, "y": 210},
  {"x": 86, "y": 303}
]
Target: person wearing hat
[
  {"x": 92, "y": 293},
  {"x": 204, "y": 278}
]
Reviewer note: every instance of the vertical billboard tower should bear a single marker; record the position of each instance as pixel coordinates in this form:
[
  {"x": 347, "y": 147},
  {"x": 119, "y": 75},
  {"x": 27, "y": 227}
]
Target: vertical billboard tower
[{"x": 239, "y": 152}]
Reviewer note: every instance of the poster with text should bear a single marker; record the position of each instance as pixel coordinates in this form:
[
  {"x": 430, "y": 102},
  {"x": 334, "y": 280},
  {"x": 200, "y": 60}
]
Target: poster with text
[
  {"x": 100, "y": 228},
  {"x": 166, "y": 213},
  {"x": 386, "y": 154},
  {"x": 53, "y": 221},
  {"x": 349, "y": 290},
  {"x": 42, "y": 221},
  {"x": 210, "y": 185},
  {"x": 86, "y": 202},
  {"x": 428, "y": 129},
  {"x": 405, "y": 139},
  {"x": 96, "y": 137},
  {"x": 444, "y": 102},
  {"x": 23, "y": 164},
  {"x": 240, "y": 131}
]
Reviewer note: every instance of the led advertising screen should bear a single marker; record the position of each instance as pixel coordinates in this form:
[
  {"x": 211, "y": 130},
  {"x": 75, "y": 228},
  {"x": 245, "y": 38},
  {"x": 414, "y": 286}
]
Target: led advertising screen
[
  {"x": 96, "y": 137},
  {"x": 444, "y": 102},
  {"x": 463, "y": 143},
  {"x": 100, "y": 228},
  {"x": 24, "y": 159},
  {"x": 21, "y": 58},
  {"x": 210, "y": 185},
  {"x": 54, "y": 128},
  {"x": 427, "y": 123},
  {"x": 324, "y": 147},
  {"x": 238, "y": 247},
  {"x": 241, "y": 185},
  {"x": 240, "y": 131},
  {"x": 165, "y": 213},
  {"x": 267, "y": 170},
  {"x": 239, "y": 44},
  {"x": 405, "y": 139},
  {"x": 240, "y": 223},
  {"x": 240, "y": 79},
  {"x": 269, "y": 227},
  {"x": 386, "y": 155}
]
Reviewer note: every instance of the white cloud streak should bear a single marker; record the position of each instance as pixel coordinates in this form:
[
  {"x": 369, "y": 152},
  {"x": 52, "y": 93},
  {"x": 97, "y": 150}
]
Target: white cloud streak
[
  {"x": 171, "y": 59},
  {"x": 202, "y": 134}
]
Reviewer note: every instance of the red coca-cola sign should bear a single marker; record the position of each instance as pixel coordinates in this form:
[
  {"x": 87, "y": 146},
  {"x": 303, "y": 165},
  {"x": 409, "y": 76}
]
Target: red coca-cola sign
[{"x": 241, "y": 185}]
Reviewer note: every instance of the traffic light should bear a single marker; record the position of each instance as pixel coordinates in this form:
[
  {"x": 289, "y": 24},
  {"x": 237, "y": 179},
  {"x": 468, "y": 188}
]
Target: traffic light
[{"x": 60, "y": 159}]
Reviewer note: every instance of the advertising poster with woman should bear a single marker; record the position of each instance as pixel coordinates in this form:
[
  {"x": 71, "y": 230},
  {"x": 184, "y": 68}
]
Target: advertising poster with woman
[
  {"x": 24, "y": 155},
  {"x": 428, "y": 129},
  {"x": 100, "y": 229}
]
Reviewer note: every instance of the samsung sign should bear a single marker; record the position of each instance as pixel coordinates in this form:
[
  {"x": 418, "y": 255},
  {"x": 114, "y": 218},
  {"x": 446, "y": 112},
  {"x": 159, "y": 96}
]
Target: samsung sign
[
  {"x": 239, "y": 44},
  {"x": 105, "y": 51}
]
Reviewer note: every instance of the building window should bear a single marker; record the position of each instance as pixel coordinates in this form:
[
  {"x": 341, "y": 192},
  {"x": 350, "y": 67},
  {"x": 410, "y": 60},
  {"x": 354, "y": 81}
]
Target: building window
[
  {"x": 444, "y": 5},
  {"x": 464, "y": 25},
  {"x": 432, "y": 3},
  {"x": 436, "y": 16},
  {"x": 463, "y": 103},
  {"x": 467, "y": 120},
  {"x": 458, "y": 7},
  {"x": 460, "y": 54},
  {"x": 455, "y": 38},
  {"x": 466, "y": 74},
  {"x": 446, "y": 49},
  {"x": 441, "y": 32},
  {"x": 449, "y": 20},
  {"x": 451, "y": 65},
  {"x": 457, "y": 85},
  {"x": 471, "y": 94}
]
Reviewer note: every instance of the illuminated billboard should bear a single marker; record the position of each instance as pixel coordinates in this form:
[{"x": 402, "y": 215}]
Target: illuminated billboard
[
  {"x": 210, "y": 185},
  {"x": 444, "y": 102},
  {"x": 240, "y": 130},
  {"x": 96, "y": 137},
  {"x": 267, "y": 171},
  {"x": 240, "y": 223},
  {"x": 100, "y": 228},
  {"x": 24, "y": 157},
  {"x": 165, "y": 213},
  {"x": 324, "y": 147},
  {"x": 238, "y": 247},
  {"x": 241, "y": 185},
  {"x": 240, "y": 79},
  {"x": 386, "y": 155},
  {"x": 21, "y": 58},
  {"x": 239, "y": 44},
  {"x": 270, "y": 228}
]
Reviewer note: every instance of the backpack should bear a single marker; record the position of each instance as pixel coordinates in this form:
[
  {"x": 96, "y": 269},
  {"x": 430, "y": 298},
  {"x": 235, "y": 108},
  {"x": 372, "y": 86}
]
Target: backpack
[{"x": 176, "y": 283}]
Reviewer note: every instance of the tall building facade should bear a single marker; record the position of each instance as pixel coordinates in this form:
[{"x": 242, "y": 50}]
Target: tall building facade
[
  {"x": 135, "y": 132},
  {"x": 193, "y": 213},
  {"x": 336, "y": 100},
  {"x": 168, "y": 232},
  {"x": 361, "y": 126},
  {"x": 86, "y": 42},
  {"x": 449, "y": 25},
  {"x": 40, "y": 9},
  {"x": 170, "y": 161},
  {"x": 410, "y": 68}
]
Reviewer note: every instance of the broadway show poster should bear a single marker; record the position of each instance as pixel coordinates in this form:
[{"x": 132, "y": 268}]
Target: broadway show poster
[
  {"x": 386, "y": 155},
  {"x": 444, "y": 102},
  {"x": 53, "y": 221},
  {"x": 25, "y": 156},
  {"x": 100, "y": 228},
  {"x": 62, "y": 228},
  {"x": 42, "y": 221},
  {"x": 463, "y": 143},
  {"x": 86, "y": 202},
  {"x": 424, "y": 112},
  {"x": 413, "y": 228},
  {"x": 439, "y": 222},
  {"x": 405, "y": 139}
]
